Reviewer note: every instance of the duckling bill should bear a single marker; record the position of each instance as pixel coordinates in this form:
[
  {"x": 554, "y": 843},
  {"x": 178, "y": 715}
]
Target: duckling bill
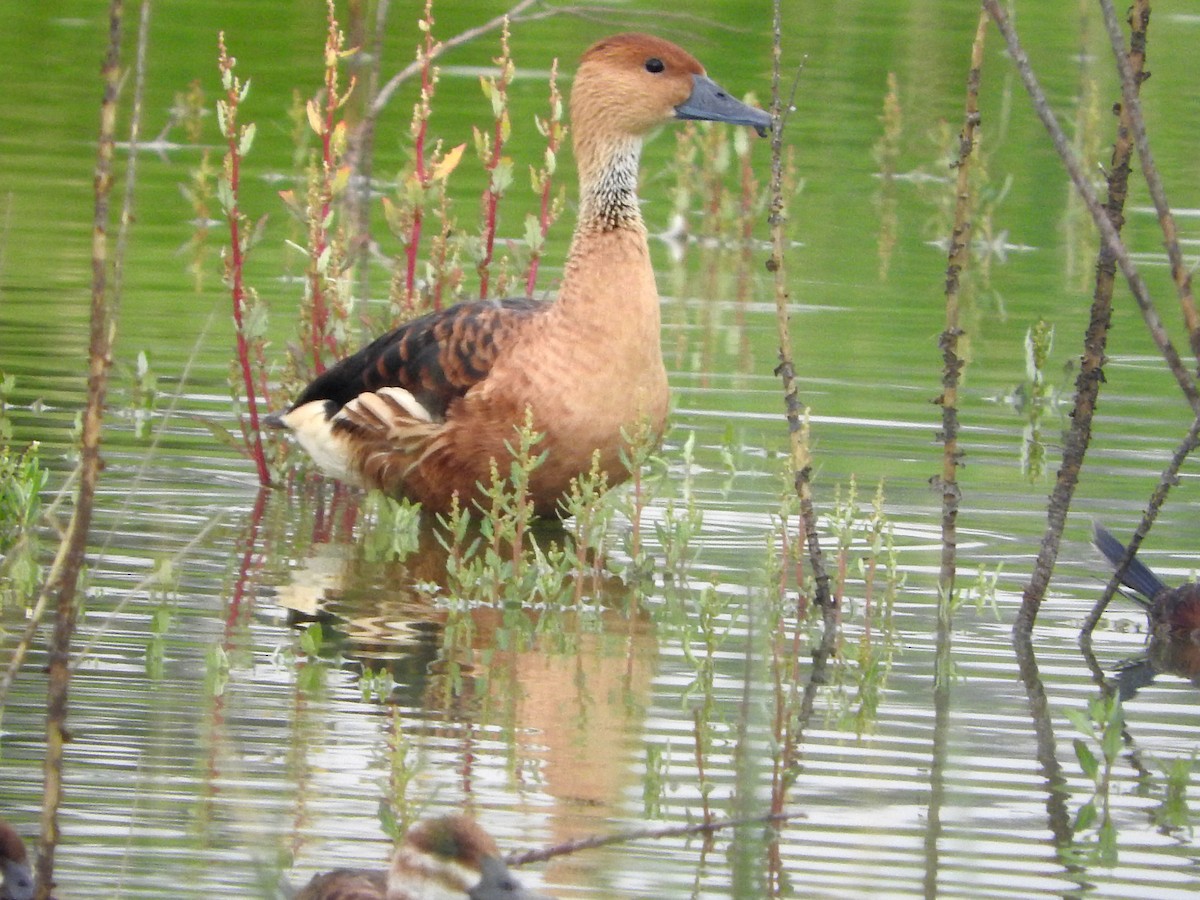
[{"x": 422, "y": 411}]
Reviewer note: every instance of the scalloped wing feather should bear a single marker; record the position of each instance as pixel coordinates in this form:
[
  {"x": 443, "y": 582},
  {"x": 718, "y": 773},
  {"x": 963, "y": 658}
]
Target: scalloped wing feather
[{"x": 436, "y": 358}]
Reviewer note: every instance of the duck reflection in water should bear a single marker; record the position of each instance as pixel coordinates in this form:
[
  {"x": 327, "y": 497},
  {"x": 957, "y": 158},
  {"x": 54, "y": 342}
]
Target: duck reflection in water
[
  {"x": 1174, "y": 616},
  {"x": 440, "y": 859},
  {"x": 424, "y": 411}
]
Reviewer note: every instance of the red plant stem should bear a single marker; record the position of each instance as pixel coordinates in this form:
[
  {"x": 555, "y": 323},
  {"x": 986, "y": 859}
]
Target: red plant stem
[
  {"x": 553, "y": 141},
  {"x": 491, "y": 202},
  {"x": 414, "y": 241},
  {"x": 491, "y": 197},
  {"x": 414, "y": 234},
  {"x": 250, "y": 562},
  {"x": 236, "y": 263},
  {"x": 544, "y": 223}
]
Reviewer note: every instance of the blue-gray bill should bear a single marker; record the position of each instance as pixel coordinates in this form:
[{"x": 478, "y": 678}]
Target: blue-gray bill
[{"x": 709, "y": 102}]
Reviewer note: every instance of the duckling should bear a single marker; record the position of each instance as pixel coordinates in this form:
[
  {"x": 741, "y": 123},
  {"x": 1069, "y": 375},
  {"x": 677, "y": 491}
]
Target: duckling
[
  {"x": 1168, "y": 608},
  {"x": 423, "y": 411},
  {"x": 14, "y": 865},
  {"x": 439, "y": 859}
]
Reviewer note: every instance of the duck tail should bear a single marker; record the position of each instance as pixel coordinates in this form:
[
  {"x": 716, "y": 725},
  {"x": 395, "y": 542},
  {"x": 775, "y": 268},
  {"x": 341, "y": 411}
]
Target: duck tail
[{"x": 1138, "y": 576}]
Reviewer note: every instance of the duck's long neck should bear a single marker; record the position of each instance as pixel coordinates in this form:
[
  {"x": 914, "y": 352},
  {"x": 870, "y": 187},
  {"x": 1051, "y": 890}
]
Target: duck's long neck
[
  {"x": 608, "y": 182},
  {"x": 608, "y": 279}
]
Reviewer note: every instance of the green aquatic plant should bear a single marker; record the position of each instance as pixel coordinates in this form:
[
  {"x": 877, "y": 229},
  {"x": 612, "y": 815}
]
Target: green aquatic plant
[
  {"x": 1035, "y": 399},
  {"x": 870, "y": 659},
  {"x": 550, "y": 203},
  {"x": 1101, "y": 728},
  {"x": 391, "y": 528},
  {"x": 216, "y": 671},
  {"x": 396, "y": 811},
  {"x": 886, "y": 154},
  {"x": 7, "y": 383},
  {"x": 1172, "y": 814},
  {"x": 143, "y": 394},
  {"x": 655, "y": 781},
  {"x": 162, "y": 593},
  {"x": 188, "y": 111},
  {"x": 682, "y": 519},
  {"x": 865, "y": 544},
  {"x": 491, "y": 558},
  {"x": 647, "y": 471},
  {"x": 311, "y": 668},
  {"x": 590, "y": 517},
  {"x": 376, "y": 683},
  {"x": 22, "y": 480},
  {"x": 499, "y": 168}
]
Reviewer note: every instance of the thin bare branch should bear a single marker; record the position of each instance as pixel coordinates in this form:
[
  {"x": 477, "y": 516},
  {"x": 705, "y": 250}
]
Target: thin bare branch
[
  {"x": 513, "y": 15},
  {"x": 99, "y": 361},
  {"x": 1131, "y": 79},
  {"x": 1083, "y": 184},
  {"x": 957, "y": 256},
  {"x": 794, "y": 409},
  {"x": 525, "y": 857}
]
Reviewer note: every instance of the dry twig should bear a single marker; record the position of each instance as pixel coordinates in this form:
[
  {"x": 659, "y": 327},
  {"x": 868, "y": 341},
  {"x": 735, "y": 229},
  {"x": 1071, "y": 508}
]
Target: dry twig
[
  {"x": 801, "y": 460},
  {"x": 525, "y": 857},
  {"x": 99, "y": 361},
  {"x": 960, "y": 243}
]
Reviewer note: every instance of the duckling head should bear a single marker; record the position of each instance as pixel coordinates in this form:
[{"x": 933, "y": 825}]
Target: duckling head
[
  {"x": 451, "y": 856},
  {"x": 14, "y": 864}
]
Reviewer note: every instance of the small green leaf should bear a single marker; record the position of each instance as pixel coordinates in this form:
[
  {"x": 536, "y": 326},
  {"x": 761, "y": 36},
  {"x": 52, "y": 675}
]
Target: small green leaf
[
  {"x": 533, "y": 232},
  {"x": 225, "y": 195},
  {"x": 1107, "y": 847},
  {"x": 247, "y": 140},
  {"x": 1086, "y": 817},
  {"x": 221, "y": 433},
  {"x": 502, "y": 175},
  {"x": 1087, "y": 759},
  {"x": 1082, "y": 723},
  {"x": 311, "y": 639}
]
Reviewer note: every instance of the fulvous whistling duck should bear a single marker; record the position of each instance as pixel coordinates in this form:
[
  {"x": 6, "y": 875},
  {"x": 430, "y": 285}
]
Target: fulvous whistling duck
[
  {"x": 423, "y": 410},
  {"x": 439, "y": 859},
  {"x": 1170, "y": 608},
  {"x": 14, "y": 865}
]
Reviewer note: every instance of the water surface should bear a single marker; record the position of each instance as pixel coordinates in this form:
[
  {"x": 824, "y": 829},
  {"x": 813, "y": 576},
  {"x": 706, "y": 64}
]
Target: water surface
[{"x": 221, "y": 755}]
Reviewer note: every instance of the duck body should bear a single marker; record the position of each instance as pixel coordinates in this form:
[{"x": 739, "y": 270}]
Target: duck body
[
  {"x": 445, "y": 858},
  {"x": 1167, "y": 607},
  {"x": 423, "y": 411},
  {"x": 14, "y": 865}
]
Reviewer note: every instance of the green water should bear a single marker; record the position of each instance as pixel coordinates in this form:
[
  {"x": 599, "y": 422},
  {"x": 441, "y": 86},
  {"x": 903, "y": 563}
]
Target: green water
[{"x": 237, "y": 758}]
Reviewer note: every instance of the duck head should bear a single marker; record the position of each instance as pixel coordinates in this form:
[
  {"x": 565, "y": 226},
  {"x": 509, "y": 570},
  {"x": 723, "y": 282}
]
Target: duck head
[
  {"x": 631, "y": 83},
  {"x": 451, "y": 856}
]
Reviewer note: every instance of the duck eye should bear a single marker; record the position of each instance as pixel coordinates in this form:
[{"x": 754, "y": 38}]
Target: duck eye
[{"x": 655, "y": 65}]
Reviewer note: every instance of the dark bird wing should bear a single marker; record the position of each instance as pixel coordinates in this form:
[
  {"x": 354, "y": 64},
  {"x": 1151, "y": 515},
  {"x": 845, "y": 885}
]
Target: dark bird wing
[
  {"x": 1137, "y": 576},
  {"x": 436, "y": 358}
]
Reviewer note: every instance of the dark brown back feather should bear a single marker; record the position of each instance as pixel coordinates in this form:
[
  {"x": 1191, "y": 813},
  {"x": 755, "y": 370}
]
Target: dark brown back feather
[
  {"x": 346, "y": 884},
  {"x": 436, "y": 358}
]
